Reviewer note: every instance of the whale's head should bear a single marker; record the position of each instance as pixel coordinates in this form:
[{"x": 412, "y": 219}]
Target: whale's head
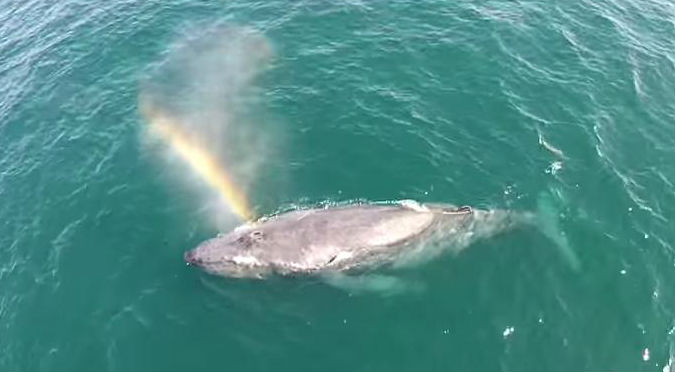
[{"x": 231, "y": 255}]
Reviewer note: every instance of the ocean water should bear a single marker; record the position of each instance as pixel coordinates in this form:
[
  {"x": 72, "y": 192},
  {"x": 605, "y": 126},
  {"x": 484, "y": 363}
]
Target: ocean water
[{"x": 493, "y": 104}]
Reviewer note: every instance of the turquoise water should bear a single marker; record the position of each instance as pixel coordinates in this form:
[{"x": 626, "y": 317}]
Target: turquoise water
[{"x": 485, "y": 103}]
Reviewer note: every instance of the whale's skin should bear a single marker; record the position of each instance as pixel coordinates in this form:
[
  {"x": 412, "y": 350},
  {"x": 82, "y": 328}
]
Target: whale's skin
[{"x": 344, "y": 238}]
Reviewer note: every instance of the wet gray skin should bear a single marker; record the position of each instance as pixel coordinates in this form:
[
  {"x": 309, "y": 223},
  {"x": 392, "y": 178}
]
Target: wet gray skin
[{"x": 344, "y": 238}]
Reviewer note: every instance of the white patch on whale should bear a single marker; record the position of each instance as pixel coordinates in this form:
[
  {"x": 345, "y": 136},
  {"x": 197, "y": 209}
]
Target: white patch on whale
[
  {"x": 245, "y": 260},
  {"x": 393, "y": 230}
]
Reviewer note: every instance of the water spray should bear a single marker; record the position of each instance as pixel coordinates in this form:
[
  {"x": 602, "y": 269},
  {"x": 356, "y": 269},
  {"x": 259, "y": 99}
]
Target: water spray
[{"x": 203, "y": 163}]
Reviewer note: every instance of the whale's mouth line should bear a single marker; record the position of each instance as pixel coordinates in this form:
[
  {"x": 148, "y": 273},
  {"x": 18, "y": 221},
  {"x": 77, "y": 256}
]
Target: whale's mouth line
[
  {"x": 193, "y": 261},
  {"x": 190, "y": 259},
  {"x": 203, "y": 263},
  {"x": 200, "y": 262}
]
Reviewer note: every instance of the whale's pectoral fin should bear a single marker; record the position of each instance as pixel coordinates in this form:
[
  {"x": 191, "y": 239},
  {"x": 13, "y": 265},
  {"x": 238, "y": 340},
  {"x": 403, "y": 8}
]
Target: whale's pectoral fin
[{"x": 371, "y": 283}]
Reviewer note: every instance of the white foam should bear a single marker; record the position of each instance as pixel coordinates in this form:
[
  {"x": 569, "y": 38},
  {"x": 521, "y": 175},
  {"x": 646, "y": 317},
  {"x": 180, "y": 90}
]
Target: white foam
[
  {"x": 244, "y": 227},
  {"x": 508, "y": 331},
  {"x": 554, "y": 167},
  {"x": 412, "y": 204},
  {"x": 343, "y": 256}
]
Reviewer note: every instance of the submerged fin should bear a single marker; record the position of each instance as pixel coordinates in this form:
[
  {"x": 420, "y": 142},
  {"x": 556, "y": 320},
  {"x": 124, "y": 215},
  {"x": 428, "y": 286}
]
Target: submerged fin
[
  {"x": 371, "y": 283},
  {"x": 546, "y": 219}
]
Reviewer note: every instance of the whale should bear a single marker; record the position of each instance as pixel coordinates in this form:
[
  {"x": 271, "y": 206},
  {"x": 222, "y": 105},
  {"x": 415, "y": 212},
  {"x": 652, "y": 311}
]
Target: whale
[{"x": 351, "y": 238}]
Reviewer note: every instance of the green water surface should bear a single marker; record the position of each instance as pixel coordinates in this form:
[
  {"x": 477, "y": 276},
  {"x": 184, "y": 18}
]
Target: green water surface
[{"x": 358, "y": 100}]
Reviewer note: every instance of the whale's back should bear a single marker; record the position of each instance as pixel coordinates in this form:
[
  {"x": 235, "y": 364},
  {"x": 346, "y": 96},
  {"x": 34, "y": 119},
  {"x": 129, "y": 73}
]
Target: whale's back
[
  {"x": 315, "y": 238},
  {"x": 335, "y": 239}
]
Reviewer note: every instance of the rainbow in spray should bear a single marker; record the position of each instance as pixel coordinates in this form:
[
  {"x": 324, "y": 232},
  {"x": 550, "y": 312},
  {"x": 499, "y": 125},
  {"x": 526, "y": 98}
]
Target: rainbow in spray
[{"x": 200, "y": 160}]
